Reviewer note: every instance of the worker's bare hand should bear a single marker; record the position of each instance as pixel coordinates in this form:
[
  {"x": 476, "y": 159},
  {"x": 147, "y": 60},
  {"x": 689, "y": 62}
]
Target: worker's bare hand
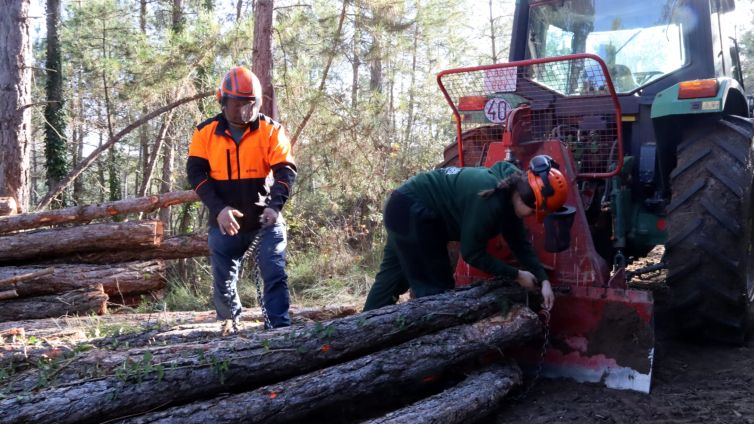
[
  {"x": 526, "y": 280},
  {"x": 548, "y": 297},
  {"x": 226, "y": 220},
  {"x": 269, "y": 217}
]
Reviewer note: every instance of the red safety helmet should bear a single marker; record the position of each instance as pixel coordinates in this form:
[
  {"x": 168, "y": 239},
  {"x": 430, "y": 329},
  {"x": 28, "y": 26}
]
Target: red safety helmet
[
  {"x": 548, "y": 184},
  {"x": 240, "y": 83}
]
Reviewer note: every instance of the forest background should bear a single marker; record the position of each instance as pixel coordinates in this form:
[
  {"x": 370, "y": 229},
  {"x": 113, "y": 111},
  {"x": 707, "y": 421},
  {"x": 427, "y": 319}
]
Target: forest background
[{"x": 354, "y": 84}]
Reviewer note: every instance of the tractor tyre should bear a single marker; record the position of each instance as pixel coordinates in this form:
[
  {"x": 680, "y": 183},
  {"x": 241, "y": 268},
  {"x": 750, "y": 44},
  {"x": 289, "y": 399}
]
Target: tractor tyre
[{"x": 709, "y": 246}]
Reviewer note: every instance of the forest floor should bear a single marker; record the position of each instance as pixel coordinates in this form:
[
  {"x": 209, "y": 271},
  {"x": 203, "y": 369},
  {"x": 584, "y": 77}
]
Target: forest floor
[{"x": 691, "y": 383}]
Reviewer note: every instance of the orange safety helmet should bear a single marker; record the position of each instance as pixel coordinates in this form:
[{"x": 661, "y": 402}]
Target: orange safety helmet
[
  {"x": 240, "y": 83},
  {"x": 548, "y": 184}
]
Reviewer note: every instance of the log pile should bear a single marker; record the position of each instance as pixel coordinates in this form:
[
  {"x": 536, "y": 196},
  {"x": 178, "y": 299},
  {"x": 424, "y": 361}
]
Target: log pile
[
  {"x": 50, "y": 258},
  {"x": 434, "y": 359}
]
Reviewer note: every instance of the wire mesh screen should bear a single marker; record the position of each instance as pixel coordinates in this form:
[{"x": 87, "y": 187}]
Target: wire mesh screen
[{"x": 570, "y": 99}]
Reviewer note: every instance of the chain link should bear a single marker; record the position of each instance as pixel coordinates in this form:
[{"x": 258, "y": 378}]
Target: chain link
[{"x": 252, "y": 255}]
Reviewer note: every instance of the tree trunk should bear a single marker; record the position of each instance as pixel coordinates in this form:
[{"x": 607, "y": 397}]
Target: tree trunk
[
  {"x": 117, "y": 280},
  {"x": 7, "y": 206},
  {"x": 81, "y": 301},
  {"x": 59, "y": 337},
  {"x": 86, "y": 213},
  {"x": 470, "y": 401},
  {"x": 15, "y": 115},
  {"x": 208, "y": 369},
  {"x": 38, "y": 245},
  {"x": 492, "y": 34},
  {"x": 261, "y": 55},
  {"x": 151, "y": 161},
  {"x": 385, "y": 371},
  {"x": 21, "y": 276},
  {"x": 167, "y": 181},
  {"x": 178, "y": 247},
  {"x": 55, "y": 123}
]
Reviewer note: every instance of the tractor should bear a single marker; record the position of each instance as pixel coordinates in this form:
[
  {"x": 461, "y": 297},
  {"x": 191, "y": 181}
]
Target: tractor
[{"x": 642, "y": 104}]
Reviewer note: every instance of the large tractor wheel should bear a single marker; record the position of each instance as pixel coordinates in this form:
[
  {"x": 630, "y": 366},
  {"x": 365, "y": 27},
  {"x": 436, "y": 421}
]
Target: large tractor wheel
[{"x": 709, "y": 247}]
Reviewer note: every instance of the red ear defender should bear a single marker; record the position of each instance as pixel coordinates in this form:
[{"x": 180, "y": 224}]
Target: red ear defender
[{"x": 548, "y": 184}]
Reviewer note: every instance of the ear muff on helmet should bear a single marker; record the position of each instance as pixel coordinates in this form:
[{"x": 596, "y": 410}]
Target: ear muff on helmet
[
  {"x": 240, "y": 83},
  {"x": 548, "y": 184}
]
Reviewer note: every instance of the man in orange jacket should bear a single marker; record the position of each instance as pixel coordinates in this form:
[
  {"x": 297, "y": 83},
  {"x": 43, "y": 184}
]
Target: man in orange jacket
[{"x": 230, "y": 156}]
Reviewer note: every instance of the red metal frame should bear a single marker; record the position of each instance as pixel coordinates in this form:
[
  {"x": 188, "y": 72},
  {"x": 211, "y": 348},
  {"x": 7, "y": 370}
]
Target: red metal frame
[{"x": 524, "y": 63}]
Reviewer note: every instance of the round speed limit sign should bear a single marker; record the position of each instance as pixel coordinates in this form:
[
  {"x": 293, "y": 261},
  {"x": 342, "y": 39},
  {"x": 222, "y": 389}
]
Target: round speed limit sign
[{"x": 496, "y": 110}]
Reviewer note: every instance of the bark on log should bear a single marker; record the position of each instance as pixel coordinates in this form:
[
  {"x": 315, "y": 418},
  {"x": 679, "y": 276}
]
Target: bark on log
[
  {"x": 404, "y": 365},
  {"x": 60, "y": 337},
  {"x": 469, "y": 401},
  {"x": 87, "y": 213},
  {"x": 51, "y": 327},
  {"x": 118, "y": 280},
  {"x": 82, "y": 301},
  {"x": 178, "y": 247},
  {"x": 191, "y": 371},
  {"x": 84, "y": 238},
  {"x": 7, "y": 206},
  {"x": 6, "y": 282}
]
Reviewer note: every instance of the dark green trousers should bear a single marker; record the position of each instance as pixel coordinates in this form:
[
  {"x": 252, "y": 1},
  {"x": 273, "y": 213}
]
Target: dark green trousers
[{"x": 415, "y": 255}]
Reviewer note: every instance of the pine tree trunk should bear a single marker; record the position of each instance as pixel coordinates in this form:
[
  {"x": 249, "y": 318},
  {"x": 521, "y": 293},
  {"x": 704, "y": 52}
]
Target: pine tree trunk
[
  {"x": 261, "y": 55},
  {"x": 167, "y": 181},
  {"x": 292, "y": 401},
  {"x": 469, "y": 401},
  {"x": 41, "y": 244},
  {"x": 236, "y": 364},
  {"x": 81, "y": 301},
  {"x": 117, "y": 280},
  {"x": 86, "y": 213},
  {"x": 15, "y": 115},
  {"x": 55, "y": 124},
  {"x": 176, "y": 247}
]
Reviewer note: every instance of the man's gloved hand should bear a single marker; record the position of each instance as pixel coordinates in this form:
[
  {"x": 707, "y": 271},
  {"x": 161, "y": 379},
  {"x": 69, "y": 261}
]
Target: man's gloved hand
[
  {"x": 226, "y": 220},
  {"x": 269, "y": 217}
]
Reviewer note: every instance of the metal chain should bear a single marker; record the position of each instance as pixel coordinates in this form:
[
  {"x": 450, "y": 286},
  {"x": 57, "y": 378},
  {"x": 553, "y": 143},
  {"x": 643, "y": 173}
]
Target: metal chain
[
  {"x": 545, "y": 314},
  {"x": 252, "y": 253}
]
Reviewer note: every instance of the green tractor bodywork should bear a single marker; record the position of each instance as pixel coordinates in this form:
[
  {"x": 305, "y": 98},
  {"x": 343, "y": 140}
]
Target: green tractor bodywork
[{"x": 687, "y": 173}]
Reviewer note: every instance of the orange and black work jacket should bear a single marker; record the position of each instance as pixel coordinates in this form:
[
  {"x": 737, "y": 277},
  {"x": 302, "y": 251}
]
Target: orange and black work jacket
[{"x": 224, "y": 173}]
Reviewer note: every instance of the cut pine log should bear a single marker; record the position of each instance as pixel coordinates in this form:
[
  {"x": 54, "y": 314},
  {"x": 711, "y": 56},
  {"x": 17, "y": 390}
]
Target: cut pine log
[
  {"x": 177, "y": 247},
  {"x": 118, "y": 280},
  {"x": 8, "y": 206},
  {"x": 89, "y": 212},
  {"x": 19, "y": 277},
  {"x": 41, "y": 244},
  {"x": 82, "y": 301},
  {"x": 294, "y": 400},
  {"x": 471, "y": 400},
  {"x": 157, "y": 376}
]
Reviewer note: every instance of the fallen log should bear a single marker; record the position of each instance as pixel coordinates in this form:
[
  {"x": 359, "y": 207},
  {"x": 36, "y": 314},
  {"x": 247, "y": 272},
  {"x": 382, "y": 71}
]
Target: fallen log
[
  {"x": 37, "y": 245},
  {"x": 404, "y": 365},
  {"x": 8, "y": 206},
  {"x": 59, "y": 337},
  {"x": 86, "y": 213},
  {"x": 51, "y": 326},
  {"x": 82, "y": 301},
  {"x": 139, "y": 380},
  {"x": 6, "y": 282},
  {"x": 117, "y": 280},
  {"x": 177, "y": 247},
  {"x": 471, "y": 400}
]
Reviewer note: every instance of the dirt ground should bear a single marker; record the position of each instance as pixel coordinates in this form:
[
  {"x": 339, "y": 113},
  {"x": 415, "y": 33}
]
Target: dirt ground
[{"x": 691, "y": 383}]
